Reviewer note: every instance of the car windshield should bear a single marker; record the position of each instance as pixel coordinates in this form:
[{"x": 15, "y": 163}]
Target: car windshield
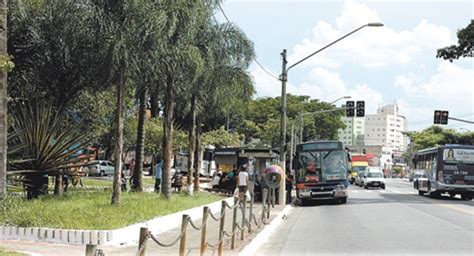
[
  {"x": 328, "y": 165},
  {"x": 375, "y": 175},
  {"x": 359, "y": 169}
]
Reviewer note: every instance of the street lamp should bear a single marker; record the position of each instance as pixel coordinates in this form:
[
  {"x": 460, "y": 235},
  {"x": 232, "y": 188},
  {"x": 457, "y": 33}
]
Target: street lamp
[
  {"x": 344, "y": 97},
  {"x": 284, "y": 79}
]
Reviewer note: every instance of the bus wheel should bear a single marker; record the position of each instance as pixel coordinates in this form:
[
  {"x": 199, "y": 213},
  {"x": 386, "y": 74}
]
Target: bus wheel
[
  {"x": 420, "y": 192},
  {"x": 466, "y": 197},
  {"x": 435, "y": 194},
  {"x": 303, "y": 202},
  {"x": 452, "y": 195},
  {"x": 343, "y": 200}
]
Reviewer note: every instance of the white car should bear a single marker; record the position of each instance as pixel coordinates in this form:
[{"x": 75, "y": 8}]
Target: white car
[
  {"x": 373, "y": 178},
  {"x": 100, "y": 167}
]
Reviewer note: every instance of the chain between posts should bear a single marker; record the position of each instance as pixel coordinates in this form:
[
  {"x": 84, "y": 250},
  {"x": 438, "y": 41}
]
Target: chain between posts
[{"x": 246, "y": 222}]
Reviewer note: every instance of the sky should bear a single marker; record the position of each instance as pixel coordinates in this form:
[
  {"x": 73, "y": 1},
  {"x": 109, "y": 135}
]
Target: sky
[{"x": 380, "y": 65}]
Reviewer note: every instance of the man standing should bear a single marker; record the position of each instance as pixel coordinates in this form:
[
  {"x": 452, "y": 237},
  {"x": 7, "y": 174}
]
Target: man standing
[
  {"x": 243, "y": 182},
  {"x": 158, "y": 171}
]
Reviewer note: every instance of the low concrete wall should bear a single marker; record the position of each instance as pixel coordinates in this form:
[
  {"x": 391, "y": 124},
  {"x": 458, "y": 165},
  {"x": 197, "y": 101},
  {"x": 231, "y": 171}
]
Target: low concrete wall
[{"x": 126, "y": 235}]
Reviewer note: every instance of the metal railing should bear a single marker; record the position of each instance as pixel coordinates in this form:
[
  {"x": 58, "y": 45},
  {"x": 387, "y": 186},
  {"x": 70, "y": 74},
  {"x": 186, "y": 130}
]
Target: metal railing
[{"x": 245, "y": 225}]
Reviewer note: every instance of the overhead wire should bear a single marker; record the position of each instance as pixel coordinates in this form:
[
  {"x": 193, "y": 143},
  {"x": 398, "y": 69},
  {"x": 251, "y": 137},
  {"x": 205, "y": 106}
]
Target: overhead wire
[{"x": 255, "y": 59}]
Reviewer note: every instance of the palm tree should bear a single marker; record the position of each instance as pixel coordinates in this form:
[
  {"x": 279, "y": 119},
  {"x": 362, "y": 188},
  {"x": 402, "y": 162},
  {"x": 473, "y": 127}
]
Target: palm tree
[
  {"x": 149, "y": 36},
  {"x": 3, "y": 100},
  {"x": 181, "y": 64},
  {"x": 227, "y": 53}
]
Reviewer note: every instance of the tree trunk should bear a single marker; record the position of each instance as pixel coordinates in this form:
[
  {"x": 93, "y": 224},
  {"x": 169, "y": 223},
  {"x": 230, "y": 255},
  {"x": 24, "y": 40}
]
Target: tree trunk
[
  {"x": 137, "y": 179},
  {"x": 58, "y": 185},
  {"x": 168, "y": 136},
  {"x": 155, "y": 106},
  {"x": 198, "y": 162},
  {"x": 118, "y": 139},
  {"x": 3, "y": 102},
  {"x": 192, "y": 144}
]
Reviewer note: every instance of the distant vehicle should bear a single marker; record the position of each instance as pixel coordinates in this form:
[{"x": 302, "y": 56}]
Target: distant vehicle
[
  {"x": 359, "y": 163},
  {"x": 446, "y": 169},
  {"x": 373, "y": 177},
  {"x": 321, "y": 171},
  {"x": 99, "y": 168},
  {"x": 360, "y": 175}
]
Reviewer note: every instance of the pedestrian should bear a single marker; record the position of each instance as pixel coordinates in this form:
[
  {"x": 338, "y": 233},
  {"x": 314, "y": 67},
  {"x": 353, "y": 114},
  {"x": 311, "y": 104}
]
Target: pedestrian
[
  {"x": 243, "y": 182},
  {"x": 131, "y": 166},
  {"x": 288, "y": 186},
  {"x": 177, "y": 181},
  {"x": 158, "y": 172},
  {"x": 123, "y": 181}
]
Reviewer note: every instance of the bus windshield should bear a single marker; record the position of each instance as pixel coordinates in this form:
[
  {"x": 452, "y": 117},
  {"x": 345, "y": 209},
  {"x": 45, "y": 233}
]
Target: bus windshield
[
  {"x": 458, "y": 155},
  {"x": 325, "y": 165}
]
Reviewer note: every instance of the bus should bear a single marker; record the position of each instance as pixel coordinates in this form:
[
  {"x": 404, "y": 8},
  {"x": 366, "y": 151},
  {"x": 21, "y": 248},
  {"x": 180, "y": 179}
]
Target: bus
[
  {"x": 321, "y": 171},
  {"x": 445, "y": 169}
]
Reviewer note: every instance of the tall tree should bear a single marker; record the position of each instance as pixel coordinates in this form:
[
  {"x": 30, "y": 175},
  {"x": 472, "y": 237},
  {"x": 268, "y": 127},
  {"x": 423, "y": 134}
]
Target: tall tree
[
  {"x": 181, "y": 63},
  {"x": 464, "y": 48},
  {"x": 149, "y": 34},
  {"x": 4, "y": 67}
]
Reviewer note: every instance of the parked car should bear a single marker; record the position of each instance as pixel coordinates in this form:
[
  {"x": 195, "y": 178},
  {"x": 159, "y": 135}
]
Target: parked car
[
  {"x": 100, "y": 168},
  {"x": 373, "y": 177}
]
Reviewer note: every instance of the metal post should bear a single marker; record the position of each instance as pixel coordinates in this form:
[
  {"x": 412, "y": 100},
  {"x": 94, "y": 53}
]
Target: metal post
[
  {"x": 234, "y": 224},
  {"x": 205, "y": 214},
  {"x": 284, "y": 77},
  {"x": 251, "y": 213},
  {"x": 267, "y": 203},
  {"x": 244, "y": 205},
  {"x": 302, "y": 127},
  {"x": 221, "y": 229},
  {"x": 182, "y": 242},
  {"x": 90, "y": 248},
  {"x": 141, "y": 240},
  {"x": 292, "y": 143}
]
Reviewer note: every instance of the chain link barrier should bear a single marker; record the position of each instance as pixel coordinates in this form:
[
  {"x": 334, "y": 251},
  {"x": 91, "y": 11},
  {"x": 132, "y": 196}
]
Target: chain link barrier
[
  {"x": 167, "y": 245},
  {"x": 216, "y": 218},
  {"x": 238, "y": 228}
]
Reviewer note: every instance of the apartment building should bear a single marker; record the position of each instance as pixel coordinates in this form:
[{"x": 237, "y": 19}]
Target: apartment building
[
  {"x": 385, "y": 128},
  {"x": 353, "y": 134}
]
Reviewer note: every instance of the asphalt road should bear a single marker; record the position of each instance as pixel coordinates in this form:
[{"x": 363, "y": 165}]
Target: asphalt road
[{"x": 392, "y": 221}]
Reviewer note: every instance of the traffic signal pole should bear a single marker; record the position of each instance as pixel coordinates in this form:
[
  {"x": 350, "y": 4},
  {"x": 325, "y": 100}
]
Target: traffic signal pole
[{"x": 461, "y": 120}]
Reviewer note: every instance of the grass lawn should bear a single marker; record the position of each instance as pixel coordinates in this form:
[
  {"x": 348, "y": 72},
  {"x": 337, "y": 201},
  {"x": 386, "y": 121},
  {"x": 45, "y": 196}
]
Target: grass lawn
[
  {"x": 94, "y": 211},
  {"x": 6, "y": 252}
]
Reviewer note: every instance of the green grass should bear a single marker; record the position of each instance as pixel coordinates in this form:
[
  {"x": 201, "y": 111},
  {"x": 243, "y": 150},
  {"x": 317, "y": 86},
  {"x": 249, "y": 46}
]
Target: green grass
[
  {"x": 6, "y": 252},
  {"x": 94, "y": 211},
  {"x": 95, "y": 182}
]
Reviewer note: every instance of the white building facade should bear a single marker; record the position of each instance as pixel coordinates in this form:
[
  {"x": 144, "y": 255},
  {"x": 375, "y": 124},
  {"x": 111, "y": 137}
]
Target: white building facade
[
  {"x": 385, "y": 128},
  {"x": 353, "y": 134}
]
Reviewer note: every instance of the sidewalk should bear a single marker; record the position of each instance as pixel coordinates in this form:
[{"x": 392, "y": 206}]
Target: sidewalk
[{"x": 192, "y": 245}]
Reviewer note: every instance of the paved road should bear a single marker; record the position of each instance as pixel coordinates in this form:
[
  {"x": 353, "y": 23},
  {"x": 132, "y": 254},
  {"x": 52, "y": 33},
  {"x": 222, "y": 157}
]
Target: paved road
[{"x": 392, "y": 221}]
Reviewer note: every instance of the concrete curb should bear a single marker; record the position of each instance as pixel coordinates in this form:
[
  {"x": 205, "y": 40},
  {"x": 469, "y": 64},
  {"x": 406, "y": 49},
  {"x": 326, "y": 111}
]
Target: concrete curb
[
  {"x": 126, "y": 235},
  {"x": 264, "y": 235}
]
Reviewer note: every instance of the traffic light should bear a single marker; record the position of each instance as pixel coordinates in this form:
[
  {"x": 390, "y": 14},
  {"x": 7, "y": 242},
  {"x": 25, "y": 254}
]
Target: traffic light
[
  {"x": 437, "y": 117},
  {"x": 444, "y": 117},
  {"x": 360, "y": 108},
  {"x": 441, "y": 117},
  {"x": 350, "y": 108}
]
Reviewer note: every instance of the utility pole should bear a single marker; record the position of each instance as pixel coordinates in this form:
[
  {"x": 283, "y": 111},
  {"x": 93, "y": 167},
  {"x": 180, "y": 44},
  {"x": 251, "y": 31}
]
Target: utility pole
[{"x": 283, "y": 78}]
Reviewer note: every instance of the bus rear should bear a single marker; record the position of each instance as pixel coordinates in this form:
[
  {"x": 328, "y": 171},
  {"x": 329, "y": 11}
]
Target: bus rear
[{"x": 321, "y": 171}]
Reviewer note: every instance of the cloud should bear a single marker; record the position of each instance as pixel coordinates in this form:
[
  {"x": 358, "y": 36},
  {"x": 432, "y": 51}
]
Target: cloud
[
  {"x": 265, "y": 85},
  {"x": 370, "y": 47},
  {"x": 450, "y": 88},
  {"x": 328, "y": 86}
]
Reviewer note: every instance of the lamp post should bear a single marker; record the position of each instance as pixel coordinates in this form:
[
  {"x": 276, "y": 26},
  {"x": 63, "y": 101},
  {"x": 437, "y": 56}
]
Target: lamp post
[
  {"x": 284, "y": 79},
  {"x": 343, "y": 97}
]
